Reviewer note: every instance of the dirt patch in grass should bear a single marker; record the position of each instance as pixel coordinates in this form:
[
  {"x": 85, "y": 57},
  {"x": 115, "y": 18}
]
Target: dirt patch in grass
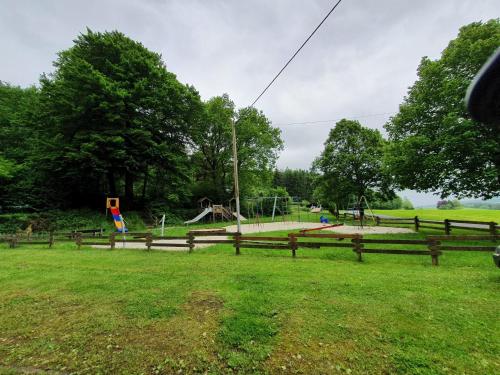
[
  {"x": 297, "y": 352},
  {"x": 203, "y": 306}
]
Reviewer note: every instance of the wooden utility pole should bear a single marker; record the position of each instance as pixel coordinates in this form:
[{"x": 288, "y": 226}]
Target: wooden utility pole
[{"x": 235, "y": 177}]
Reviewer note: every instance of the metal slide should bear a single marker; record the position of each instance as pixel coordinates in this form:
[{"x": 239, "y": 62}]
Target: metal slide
[
  {"x": 200, "y": 216},
  {"x": 242, "y": 218}
]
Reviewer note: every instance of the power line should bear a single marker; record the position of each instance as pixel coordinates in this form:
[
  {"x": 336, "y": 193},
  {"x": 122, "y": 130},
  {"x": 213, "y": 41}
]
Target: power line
[
  {"x": 296, "y": 52},
  {"x": 335, "y": 120}
]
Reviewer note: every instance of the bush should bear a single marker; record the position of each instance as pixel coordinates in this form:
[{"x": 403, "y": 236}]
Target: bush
[
  {"x": 449, "y": 205},
  {"x": 68, "y": 220},
  {"x": 407, "y": 205},
  {"x": 10, "y": 223}
]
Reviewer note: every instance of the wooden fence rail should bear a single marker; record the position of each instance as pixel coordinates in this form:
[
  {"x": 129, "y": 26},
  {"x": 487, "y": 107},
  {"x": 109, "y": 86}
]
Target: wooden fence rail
[{"x": 435, "y": 244}]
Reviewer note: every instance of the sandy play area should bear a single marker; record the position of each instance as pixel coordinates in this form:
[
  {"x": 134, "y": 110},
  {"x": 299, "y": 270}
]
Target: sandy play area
[
  {"x": 294, "y": 225},
  {"x": 259, "y": 228}
]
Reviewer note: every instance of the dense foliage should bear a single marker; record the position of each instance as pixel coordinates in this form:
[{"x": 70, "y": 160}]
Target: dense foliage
[
  {"x": 436, "y": 146},
  {"x": 297, "y": 182},
  {"x": 111, "y": 120}
]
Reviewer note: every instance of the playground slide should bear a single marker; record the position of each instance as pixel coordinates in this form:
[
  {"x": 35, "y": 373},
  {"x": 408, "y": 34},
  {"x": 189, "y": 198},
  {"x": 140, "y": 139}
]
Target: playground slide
[
  {"x": 200, "y": 216},
  {"x": 118, "y": 218},
  {"x": 242, "y": 218}
]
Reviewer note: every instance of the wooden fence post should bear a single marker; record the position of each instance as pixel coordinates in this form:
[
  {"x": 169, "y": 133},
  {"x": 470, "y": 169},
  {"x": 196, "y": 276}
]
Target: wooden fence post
[
  {"x": 447, "y": 227},
  {"x": 433, "y": 249},
  {"x": 493, "y": 229},
  {"x": 358, "y": 247},
  {"x": 78, "y": 240},
  {"x": 292, "y": 240},
  {"x": 237, "y": 242},
  {"x": 51, "y": 239},
  {"x": 149, "y": 241},
  {"x": 191, "y": 241},
  {"x": 13, "y": 241},
  {"x": 112, "y": 241},
  {"x": 377, "y": 220},
  {"x": 417, "y": 224}
]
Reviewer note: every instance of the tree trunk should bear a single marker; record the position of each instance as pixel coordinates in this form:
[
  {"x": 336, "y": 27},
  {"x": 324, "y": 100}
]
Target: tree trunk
[
  {"x": 111, "y": 183},
  {"x": 145, "y": 184},
  {"x": 129, "y": 188}
]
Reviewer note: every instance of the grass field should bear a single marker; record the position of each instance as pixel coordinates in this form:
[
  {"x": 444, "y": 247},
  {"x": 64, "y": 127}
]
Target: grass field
[
  {"x": 475, "y": 214},
  {"x": 124, "y": 311}
]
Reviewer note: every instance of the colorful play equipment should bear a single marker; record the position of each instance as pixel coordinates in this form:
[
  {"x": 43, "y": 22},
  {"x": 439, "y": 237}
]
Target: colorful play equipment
[{"x": 113, "y": 204}]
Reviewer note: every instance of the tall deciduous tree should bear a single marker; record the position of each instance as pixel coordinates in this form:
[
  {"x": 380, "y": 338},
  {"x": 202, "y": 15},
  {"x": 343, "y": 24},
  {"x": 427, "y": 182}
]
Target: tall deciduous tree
[
  {"x": 115, "y": 113},
  {"x": 435, "y": 145},
  {"x": 258, "y": 145},
  {"x": 351, "y": 163}
]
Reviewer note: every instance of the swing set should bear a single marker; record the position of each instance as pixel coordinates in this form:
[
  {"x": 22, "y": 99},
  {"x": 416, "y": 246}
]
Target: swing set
[{"x": 357, "y": 209}]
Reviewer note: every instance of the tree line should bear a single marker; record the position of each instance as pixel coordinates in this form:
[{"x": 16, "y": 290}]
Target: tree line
[{"x": 111, "y": 120}]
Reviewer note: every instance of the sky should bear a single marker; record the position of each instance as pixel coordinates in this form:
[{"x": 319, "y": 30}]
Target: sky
[{"x": 358, "y": 65}]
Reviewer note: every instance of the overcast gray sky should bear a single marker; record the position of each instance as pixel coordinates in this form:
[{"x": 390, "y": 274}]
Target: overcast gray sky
[{"x": 360, "y": 63}]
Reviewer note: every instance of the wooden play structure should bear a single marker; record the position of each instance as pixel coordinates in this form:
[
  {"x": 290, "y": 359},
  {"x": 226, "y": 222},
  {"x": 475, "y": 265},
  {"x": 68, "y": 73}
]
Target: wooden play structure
[{"x": 218, "y": 211}]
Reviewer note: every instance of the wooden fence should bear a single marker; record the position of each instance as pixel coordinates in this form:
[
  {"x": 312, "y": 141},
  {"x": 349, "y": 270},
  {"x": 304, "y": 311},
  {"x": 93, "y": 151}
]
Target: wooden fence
[
  {"x": 432, "y": 246},
  {"x": 445, "y": 225}
]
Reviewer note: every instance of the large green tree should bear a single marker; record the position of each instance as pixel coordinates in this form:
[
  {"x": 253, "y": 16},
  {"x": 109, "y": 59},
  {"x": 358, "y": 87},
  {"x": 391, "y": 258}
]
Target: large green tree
[
  {"x": 258, "y": 144},
  {"x": 351, "y": 164},
  {"x": 19, "y": 138},
  {"x": 116, "y": 117},
  {"x": 435, "y": 146}
]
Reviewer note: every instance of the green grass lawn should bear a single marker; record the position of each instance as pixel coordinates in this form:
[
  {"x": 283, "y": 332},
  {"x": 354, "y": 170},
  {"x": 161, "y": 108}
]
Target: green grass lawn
[
  {"x": 475, "y": 214},
  {"x": 125, "y": 311}
]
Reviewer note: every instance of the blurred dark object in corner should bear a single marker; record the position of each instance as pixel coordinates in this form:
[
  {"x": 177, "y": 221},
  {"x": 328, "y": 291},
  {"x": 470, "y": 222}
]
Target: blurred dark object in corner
[{"x": 483, "y": 94}]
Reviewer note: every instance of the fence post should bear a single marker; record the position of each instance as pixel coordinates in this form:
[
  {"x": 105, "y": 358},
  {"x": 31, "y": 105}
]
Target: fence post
[
  {"x": 447, "y": 227},
  {"x": 493, "y": 230},
  {"x": 191, "y": 241},
  {"x": 51, "y": 239},
  {"x": 13, "y": 241},
  {"x": 149, "y": 241},
  {"x": 78, "y": 241},
  {"x": 433, "y": 249},
  {"x": 237, "y": 243},
  {"x": 377, "y": 220},
  {"x": 292, "y": 240},
  {"x": 112, "y": 241},
  {"x": 417, "y": 224},
  {"x": 358, "y": 247}
]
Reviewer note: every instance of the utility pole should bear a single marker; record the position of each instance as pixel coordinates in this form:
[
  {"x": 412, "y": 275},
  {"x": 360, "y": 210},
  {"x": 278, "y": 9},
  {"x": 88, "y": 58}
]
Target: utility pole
[{"x": 235, "y": 177}]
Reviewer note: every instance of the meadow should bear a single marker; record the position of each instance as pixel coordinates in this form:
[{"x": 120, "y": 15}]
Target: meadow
[
  {"x": 64, "y": 310},
  {"x": 474, "y": 214}
]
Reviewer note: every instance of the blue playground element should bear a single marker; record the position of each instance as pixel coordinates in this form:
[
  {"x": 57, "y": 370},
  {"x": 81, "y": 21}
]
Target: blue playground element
[{"x": 323, "y": 219}]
